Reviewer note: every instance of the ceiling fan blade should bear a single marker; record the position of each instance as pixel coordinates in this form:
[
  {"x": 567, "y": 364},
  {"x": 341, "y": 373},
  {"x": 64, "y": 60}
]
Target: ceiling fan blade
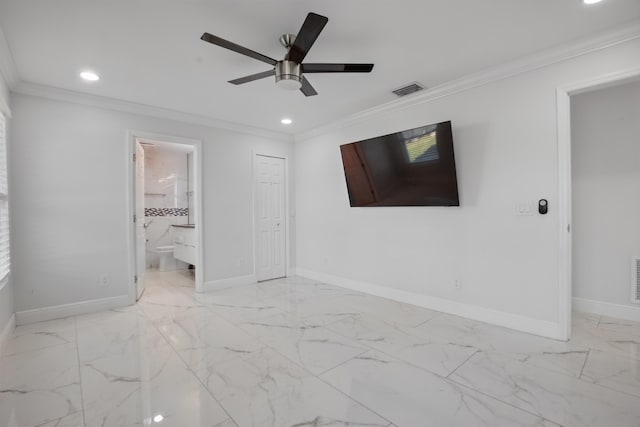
[
  {"x": 306, "y": 88},
  {"x": 307, "y": 35},
  {"x": 253, "y": 77},
  {"x": 237, "y": 48},
  {"x": 337, "y": 68}
]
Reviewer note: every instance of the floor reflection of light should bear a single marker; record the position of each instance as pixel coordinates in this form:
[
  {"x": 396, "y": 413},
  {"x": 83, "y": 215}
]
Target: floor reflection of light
[{"x": 158, "y": 418}]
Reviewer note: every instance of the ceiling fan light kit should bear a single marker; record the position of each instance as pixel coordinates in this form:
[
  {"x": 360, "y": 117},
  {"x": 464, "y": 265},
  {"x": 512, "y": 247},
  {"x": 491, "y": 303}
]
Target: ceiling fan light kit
[
  {"x": 288, "y": 75},
  {"x": 289, "y": 72}
]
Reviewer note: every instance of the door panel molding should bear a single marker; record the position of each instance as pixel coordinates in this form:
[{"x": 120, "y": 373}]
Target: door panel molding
[{"x": 271, "y": 225}]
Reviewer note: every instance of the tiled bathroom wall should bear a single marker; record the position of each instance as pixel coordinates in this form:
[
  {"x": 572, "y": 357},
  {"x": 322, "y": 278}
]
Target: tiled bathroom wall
[{"x": 166, "y": 198}]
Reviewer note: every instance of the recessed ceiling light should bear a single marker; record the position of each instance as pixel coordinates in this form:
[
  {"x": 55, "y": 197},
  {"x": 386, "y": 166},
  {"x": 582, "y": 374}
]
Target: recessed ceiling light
[
  {"x": 286, "y": 121},
  {"x": 89, "y": 76},
  {"x": 591, "y": 1},
  {"x": 158, "y": 418}
]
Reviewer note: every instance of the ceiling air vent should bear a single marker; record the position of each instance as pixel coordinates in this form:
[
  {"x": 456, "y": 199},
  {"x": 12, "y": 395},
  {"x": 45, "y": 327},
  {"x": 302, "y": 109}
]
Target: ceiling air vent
[
  {"x": 635, "y": 280},
  {"x": 408, "y": 89}
]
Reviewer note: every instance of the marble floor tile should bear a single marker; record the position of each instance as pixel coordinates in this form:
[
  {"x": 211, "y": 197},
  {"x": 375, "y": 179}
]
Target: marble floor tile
[
  {"x": 41, "y": 335},
  {"x": 168, "y": 296},
  {"x": 74, "y": 420},
  {"x": 121, "y": 318},
  {"x": 408, "y": 396},
  {"x": 294, "y": 352},
  {"x": 158, "y": 312},
  {"x": 267, "y": 389},
  {"x": 311, "y": 346},
  {"x": 611, "y": 371},
  {"x": 313, "y": 309},
  {"x": 256, "y": 291},
  {"x": 237, "y": 308},
  {"x": 557, "y": 397},
  {"x": 39, "y": 386},
  {"x": 392, "y": 312},
  {"x": 120, "y": 334},
  {"x": 177, "y": 278},
  {"x": 440, "y": 357},
  {"x": 134, "y": 387},
  {"x": 584, "y": 320},
  {"x": 202, "y": 338},
  {"x": 620, "y": 327},
  {"x": 607, "y": 340},
  {"x": 315, "y": 289},
  {"x": 538, "y": 351}
]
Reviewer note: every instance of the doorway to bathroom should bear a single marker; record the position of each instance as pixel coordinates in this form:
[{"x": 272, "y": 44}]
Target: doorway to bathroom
[{"x": 165, "y": 212}]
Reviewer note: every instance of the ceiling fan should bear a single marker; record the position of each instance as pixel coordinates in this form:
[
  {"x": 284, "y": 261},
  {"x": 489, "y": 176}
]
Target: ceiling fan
[{"x": 290, "y": 71}]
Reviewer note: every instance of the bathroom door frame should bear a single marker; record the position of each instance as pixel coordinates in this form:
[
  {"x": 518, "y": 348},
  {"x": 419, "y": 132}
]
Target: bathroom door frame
[{"x": 131, "y": 138}]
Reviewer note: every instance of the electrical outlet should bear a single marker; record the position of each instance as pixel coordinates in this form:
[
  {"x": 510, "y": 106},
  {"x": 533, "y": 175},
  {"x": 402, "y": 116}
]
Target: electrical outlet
[
  {"x": 457, "y": 284},
  {"x": 105, "y": 280}
]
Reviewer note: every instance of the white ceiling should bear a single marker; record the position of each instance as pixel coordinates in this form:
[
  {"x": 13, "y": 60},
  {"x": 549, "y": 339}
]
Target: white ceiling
[{"x": 150, "y": 52}]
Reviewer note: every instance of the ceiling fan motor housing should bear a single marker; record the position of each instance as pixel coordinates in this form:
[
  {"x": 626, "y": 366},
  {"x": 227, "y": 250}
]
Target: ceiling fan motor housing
[{"x": 289, "y": 75}]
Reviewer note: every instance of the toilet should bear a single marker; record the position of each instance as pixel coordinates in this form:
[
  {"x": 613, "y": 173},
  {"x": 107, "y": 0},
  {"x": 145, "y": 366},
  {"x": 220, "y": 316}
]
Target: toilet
[{"x": 166, "y": 260}]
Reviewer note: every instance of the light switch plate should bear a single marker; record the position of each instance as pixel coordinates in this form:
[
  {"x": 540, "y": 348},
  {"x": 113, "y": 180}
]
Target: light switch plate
[{"x": 524, "y": 209}]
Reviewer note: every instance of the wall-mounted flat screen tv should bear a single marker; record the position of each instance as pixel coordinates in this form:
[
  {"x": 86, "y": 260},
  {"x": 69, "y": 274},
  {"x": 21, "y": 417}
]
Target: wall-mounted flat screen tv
[{"x": 415, "y": 167}]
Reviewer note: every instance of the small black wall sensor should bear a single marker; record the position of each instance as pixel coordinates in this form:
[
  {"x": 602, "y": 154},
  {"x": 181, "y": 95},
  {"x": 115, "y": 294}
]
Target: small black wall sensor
[{"x": 543, "y": 206}]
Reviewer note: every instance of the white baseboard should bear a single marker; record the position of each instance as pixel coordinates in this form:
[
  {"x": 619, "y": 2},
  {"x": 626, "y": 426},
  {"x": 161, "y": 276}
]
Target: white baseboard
[
  {"x": 508, "y": 320},
  {"x": 619, "y": 311},
  {"x": 7, "y": 332},
  {"x": 59, "y": 311},
  {"x": 216, "y": 285}
]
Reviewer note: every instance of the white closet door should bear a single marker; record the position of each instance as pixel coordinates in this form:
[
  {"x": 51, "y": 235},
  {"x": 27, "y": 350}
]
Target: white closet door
[{"x": 271, "y": 218}]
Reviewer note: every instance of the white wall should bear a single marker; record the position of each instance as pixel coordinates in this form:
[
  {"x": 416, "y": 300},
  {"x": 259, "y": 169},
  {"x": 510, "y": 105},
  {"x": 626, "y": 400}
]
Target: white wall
[
  {"x": 605, "y": 144},
  {"x": 165, "y": 173},
  {"x": 69, "y": 205},
  {"x": 505, "y": 139},
  {"x": 6, "y": 288}
]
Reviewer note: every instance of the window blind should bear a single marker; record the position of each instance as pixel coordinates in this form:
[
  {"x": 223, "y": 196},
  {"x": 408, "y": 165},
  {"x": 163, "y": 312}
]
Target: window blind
[{"x": 5, "y": 260}]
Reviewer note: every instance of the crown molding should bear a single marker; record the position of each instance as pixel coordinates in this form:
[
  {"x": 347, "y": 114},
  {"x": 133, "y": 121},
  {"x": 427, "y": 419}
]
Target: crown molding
[
  {"x": 7, "y": 66},
  {"x": 523, "y": 65},
  {"x": 482, "y": 78},
  {"x": 64, "y": 95}
]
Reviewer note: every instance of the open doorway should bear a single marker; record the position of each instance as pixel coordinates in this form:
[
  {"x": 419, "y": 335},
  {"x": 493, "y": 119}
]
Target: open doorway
[
  {"x": 605, "y": 167},
  {"x": 597, "y": 163},
  {"x": 165, "y": 213}
]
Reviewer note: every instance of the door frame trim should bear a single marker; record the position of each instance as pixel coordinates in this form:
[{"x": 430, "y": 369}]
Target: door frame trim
[
  {"x": 254, "y": 194},
  {"x": 131, "y": 137},
  {"x": 563, "y": 114}
]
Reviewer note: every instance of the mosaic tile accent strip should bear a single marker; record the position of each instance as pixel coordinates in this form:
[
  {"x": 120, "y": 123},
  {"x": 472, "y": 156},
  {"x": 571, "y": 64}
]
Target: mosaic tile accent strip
[{"x": 166, "y": 211}]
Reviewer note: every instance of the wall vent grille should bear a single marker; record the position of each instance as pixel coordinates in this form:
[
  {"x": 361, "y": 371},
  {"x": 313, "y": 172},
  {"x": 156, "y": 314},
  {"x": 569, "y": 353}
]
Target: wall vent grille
[
  {"x": 635, "y": 280},
  {"x": 408, "y": 89}
]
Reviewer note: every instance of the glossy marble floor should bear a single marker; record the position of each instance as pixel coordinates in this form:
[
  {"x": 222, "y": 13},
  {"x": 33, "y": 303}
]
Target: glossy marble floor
[{"x": 297, "y": 353}]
